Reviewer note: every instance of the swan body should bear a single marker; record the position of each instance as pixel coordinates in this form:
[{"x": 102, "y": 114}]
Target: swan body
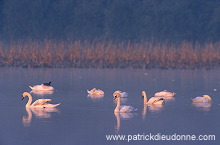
[
  {"x": 152, "y": 100},
  {"x": 123, "y": 108},
  {"x": 41, "y": 93},
  {"x": 164, "y": 94},
  {"x": 95, "y": 91},
  {"x": 40, "y": 103},
  {"x": 204, "y": 99},
  {"x": 42, "y": 87},
  {"x": 123, "y": 94}
]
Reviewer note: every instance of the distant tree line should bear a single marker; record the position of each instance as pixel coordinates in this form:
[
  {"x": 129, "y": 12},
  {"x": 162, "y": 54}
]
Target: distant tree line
[{"x": 194, "y": 20}]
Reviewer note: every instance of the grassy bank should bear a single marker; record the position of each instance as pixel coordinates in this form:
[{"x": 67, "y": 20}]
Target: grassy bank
[{"x": 109, "y": 55}]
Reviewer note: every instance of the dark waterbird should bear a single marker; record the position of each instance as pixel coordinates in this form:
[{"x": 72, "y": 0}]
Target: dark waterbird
[{"x": 47, "y": 84}]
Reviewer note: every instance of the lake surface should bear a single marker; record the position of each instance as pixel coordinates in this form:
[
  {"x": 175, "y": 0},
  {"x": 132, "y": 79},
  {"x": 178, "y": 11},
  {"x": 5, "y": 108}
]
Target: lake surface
[{"x": 85, "y": 120}]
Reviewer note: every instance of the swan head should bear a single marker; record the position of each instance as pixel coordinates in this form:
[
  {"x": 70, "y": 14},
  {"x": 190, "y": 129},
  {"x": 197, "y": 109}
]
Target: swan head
[
  {"x": 161, "y": 99},
  {"x": 208, "y": 97},
  {"x": 24, "y": 95},
  {"x": 143, "y": 93},
  {"x": 116, "y": 92},
  {"x": 116, "y": 96},
  {"x": 94, "y": 89}
]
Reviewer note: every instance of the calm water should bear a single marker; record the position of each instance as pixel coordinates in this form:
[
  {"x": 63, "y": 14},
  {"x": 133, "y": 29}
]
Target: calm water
[{"x": 84, "y": 120}]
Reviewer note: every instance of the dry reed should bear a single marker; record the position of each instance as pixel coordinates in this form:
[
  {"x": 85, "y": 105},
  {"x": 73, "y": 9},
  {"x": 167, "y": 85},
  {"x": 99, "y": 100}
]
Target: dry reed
[{"x": 85, "y": 54}]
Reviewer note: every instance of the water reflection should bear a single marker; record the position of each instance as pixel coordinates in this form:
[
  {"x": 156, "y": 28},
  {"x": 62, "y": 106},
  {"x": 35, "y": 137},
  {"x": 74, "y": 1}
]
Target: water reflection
[
  {"x": 95, "y": 97},
  {"x": 123, "y": 116},
  {"x": 39, "y": 113},
  {"x": 152, "y": 108},
  {"x": 203, "y": 106},
  {"x": 41, "y": 93}
]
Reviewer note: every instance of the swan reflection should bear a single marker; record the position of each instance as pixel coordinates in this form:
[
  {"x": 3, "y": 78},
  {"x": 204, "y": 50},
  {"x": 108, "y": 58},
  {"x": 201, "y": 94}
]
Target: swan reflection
[
  {"x": 39, "y": 113},
  {"x": 152, "y": 108},
  {"x": 123, "y": 116},
  {"x": 41, "y": 93},
  {"x": 95, "y": 97},
  {"x": 203, "y": 106}
]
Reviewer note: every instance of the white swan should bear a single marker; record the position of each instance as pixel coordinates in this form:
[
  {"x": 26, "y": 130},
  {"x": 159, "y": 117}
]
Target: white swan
[
  {"x": 123, "y": 94},
  {"x": 40, "y": 103},
  {"x": 152, "y": 100},
  {"x": 165, "y": 94},
  {"x": 124, "y": 108},
  {"x": 95, "y": 91},
  {"x": 204, "y": 99},
  {"x": 42, "y": 87}
]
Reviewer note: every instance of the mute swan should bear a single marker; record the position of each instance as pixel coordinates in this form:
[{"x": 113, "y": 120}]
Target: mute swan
[
  {"x": 42, "y": 87},
  {"x": 95, "y": 91},
  {"x": 152, "y": 100},
  {"x": 124, "y": 108},
  {"x": 40, "y": 103},
  {"x": 164, "y": 94},
  {"x": 204, "y": 99},
  {"x": 123, "y": 94}
]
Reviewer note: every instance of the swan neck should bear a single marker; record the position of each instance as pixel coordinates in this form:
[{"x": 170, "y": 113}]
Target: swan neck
[
  {"x": 29, "y": 100},
  {"x": 144, "y": 112},
  {"x": 27, "y": 120},
  {"x": 118, "y": 104},
  {"x": 145, "y": 98},
  {"x": 118, "y": 122}
]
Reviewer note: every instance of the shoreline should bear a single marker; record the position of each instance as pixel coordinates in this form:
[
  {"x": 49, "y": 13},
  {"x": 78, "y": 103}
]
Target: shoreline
[{"x": 105, "y": 54}]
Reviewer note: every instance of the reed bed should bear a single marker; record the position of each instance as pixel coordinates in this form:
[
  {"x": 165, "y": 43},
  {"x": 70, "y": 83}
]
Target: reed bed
[{"x": 105, "y": 54}]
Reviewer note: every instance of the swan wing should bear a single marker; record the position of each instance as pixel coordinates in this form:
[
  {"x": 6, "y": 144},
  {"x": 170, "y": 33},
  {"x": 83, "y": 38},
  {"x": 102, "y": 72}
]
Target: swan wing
[
  {"x": 164, "y": 94},
  {"x": 200, "y": 99},
  {"x": 160, "y": 94},
  {"x": 41, "y": 102},
  {"x": 47, "y": 87},
  {"x": 152, "y": 100},
  {"x": 51, "y": 105}
]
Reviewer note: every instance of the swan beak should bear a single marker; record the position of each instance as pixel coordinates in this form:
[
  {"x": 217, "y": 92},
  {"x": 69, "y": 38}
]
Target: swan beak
[{"x": 22, "y": 97}]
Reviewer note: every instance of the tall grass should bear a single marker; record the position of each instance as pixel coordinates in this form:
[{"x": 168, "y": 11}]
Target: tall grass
[{"x": 109, "y": 54}]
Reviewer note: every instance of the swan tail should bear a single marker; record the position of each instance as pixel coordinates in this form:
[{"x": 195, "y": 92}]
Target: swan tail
[
  {"x": 57, "y": 104},
  {"x": 194, "y": 100},
  {"x": 31, "y": 87}
]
